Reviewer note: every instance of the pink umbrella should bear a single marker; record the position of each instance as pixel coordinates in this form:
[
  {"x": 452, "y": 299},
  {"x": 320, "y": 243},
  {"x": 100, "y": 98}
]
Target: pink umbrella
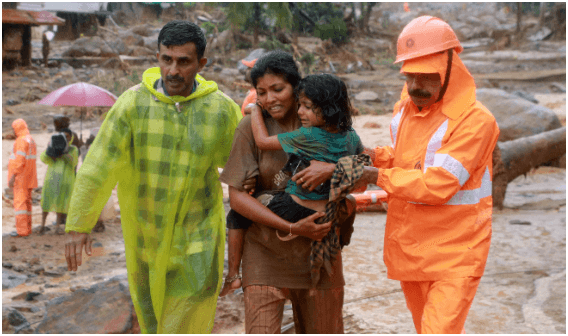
[{"x": 79, "y": 94}]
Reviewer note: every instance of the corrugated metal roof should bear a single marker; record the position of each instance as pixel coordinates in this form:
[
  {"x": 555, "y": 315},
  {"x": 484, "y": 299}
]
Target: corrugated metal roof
[{"x": 16, "y": 16}]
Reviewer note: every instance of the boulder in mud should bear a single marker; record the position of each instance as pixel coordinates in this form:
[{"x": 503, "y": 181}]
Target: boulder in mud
[
  {"x": 104, "y": 308},
  {"x": 89, "y": 46},
  {"x": 11, "y": 279},
  {"x": 131, "y": 39},
  {"x": 253, "y": 55},
  {"x": 516, "y": 116},
  {"x": 367, "y": 96}
]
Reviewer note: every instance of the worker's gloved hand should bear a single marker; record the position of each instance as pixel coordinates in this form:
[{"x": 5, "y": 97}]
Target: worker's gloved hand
[{"x": 74, "y": 247}]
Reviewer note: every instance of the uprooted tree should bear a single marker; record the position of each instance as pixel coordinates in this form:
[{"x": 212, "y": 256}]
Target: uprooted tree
[{"x": 517, "y": 157}]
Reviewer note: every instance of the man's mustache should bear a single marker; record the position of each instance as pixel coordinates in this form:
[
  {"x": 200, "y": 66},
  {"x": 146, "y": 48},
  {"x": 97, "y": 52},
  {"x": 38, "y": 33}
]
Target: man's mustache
[
  {"x": 420, "y": 93},
  {"x": 174, "y": 78}
]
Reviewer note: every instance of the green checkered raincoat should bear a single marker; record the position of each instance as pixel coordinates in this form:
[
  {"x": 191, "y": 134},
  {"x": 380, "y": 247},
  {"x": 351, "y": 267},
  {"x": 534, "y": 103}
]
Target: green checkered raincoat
[
  {"x": 59, "y": 181},
  {"x": 164, "y": 153}
]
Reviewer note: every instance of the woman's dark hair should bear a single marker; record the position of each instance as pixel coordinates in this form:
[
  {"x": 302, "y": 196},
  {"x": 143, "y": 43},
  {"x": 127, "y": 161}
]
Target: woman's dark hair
[
  {"x": 329, "y": 94},
  {"x": 276, "y": 62},
  {"x": 180, "y": 32}
]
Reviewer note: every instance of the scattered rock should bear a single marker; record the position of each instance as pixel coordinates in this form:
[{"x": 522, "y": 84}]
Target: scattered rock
[
  {"x": 12, "y": 102},
  {"x": 7, "y": 265},
  {"x": 142, "y": 30},
  {"x": 253, "y": 55},
  {"x": 117, "y": 45},
  {"x": 11, "y": 279},
  {"x": 52, "y": 274},
  {"x": 371, "y": 124},
  {"x": 103, "y": 308},
  {"x": 13, "y": 248},
  {"x": 517, "y": 117},
  {"x": 130, "y": 38},
  {"x": 39, "y": 269},
  {"x": 558, "y": 87},
  {"x": 367, "y": 96},
  {"x": 527, "y": 96},
  {"x": 138, "y": 51},
  {"x": 16, "y": 318},
  {"x": 98, "y": 244},
  {"x": 92, "y": 46},
  {"x": 519, "y": 222}
]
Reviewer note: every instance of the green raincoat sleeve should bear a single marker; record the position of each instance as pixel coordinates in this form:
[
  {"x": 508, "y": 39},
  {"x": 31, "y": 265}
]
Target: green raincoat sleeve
[{"x": 164, "y": 153}]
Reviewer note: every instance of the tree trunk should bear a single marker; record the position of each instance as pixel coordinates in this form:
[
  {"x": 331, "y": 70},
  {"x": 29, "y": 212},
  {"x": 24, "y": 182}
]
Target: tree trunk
[
  {"x": 518, "y": 157},
  {"x": 257, "y": 19},
  {"x": 367, "y": 16},
  {"x": 519, "y": 16}
]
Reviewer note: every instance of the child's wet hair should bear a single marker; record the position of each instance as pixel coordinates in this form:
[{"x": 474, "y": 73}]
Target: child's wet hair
[{"x": 329, "y": 94}]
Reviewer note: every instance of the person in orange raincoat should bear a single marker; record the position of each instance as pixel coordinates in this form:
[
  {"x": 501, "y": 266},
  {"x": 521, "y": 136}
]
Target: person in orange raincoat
[
  {"x": 437, "y": 175},
  {"x": 22, "y": 176},
  {"x": 251, "y": 95}
]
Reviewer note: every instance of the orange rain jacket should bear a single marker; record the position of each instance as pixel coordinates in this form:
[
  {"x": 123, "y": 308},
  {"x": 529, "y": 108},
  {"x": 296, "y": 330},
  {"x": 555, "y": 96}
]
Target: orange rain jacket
[
  {"x": 438, "y": 177},
  {"x": 22, "y": 162}
]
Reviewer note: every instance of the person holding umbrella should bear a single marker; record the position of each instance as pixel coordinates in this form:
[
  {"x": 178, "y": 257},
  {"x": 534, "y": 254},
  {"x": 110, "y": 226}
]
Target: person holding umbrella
[
  {"x": 163, "y": 142},
  {"x": 61, "y": 158}
]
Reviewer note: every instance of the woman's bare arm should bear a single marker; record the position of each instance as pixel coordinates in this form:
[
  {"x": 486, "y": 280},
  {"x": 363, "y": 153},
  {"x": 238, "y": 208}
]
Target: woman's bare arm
[
  {"x": 261, "y": 137},
  {"x": 252, "y": 209}
]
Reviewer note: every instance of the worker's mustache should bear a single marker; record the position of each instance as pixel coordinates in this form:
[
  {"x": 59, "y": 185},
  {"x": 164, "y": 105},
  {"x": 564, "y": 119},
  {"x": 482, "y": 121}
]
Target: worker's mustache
[
  {"x": 175, "y": 78},
  {"x": 420, "y": 93}
]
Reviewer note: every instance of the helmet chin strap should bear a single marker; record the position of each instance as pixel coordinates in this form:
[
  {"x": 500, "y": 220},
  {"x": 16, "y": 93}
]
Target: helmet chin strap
[{"x": 447, "y": 79}]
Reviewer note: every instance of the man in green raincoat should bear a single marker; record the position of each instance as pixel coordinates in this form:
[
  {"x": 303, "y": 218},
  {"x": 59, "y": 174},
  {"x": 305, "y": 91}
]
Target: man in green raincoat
[{"x": 162, "y": 142}]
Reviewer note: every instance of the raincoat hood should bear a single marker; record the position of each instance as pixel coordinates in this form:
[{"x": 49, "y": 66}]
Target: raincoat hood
[
  {"x": 460, "y": 94},
  {"x": 151, "y": 75},
  {"x": 20, "y": 127}
]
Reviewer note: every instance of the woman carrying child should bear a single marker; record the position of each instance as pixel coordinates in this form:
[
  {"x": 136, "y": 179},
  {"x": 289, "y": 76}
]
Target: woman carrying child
[
  {"x": 276, "y": 269},
  {"x": 61, "y": 159}
]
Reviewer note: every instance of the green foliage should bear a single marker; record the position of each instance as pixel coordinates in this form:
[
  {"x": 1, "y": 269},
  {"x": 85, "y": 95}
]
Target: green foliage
[
  {"x": 336, "y": 31},
  {"x": 188, "y": 5},
  {"x": 272, "y": 44},
  {"x": 209, "y": 27},
  {"x": 280, "y": 11},
  {"x": 319, "y": 12},
  {"x": 308, "y": 59}
]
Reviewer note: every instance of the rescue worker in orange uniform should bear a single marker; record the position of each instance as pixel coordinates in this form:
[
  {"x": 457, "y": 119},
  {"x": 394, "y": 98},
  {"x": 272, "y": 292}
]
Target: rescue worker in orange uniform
[
  {"x": 22, "y": 176},
  {"x": 251, "y": 95},
  {"x": 437, "y": 175}
]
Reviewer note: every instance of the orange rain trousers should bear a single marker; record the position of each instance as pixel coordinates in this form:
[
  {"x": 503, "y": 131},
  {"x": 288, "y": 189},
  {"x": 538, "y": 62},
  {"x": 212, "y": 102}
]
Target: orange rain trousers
[
  {"x": 23, "y": 210},
  {"x": 22, "y": 165},
  {"x": 440, "y": 307}
]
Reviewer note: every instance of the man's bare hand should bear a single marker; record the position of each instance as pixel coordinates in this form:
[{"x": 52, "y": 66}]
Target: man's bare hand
[
  {"x": 11, "y": 182},
  {"x": 317, "y": 173},
  {"x": 74, "y": 247},
  {"x": 370, "y": 176},
  {"x": 250, "y": 185},
  {"x": 308, "y": 228}
]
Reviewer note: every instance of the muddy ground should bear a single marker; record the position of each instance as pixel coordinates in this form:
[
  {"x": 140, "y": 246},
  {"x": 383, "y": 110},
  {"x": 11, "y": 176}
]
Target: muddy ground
[{"x": 523, "y": 290}]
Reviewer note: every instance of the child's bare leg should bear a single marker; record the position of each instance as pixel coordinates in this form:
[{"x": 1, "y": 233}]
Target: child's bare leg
[
  {"x": 236, "y": 243},
  {"x": 43, "y": 218},
  {"x": 61, "y": 217}
]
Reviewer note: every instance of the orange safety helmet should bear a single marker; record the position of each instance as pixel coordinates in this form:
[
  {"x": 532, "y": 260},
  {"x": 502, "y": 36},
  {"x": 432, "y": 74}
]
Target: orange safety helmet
[{"x": 423, "y": 36}]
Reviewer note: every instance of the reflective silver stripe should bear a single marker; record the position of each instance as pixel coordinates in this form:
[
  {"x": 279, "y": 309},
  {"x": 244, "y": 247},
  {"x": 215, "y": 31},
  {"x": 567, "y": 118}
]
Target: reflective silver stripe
[
  {"x": 465, "y": 197},
  {"x": 469, "y": 197},
  {"x": 12, "y": 156},
  {"x": 453, "y": 166},
  {"x": 21, "y": 153},
  {"x": 30, "y": 157},
  {"x": 23, "y": 212},
  {"x": 394, "y": 126},
  {"x": 435, "y": 144}
]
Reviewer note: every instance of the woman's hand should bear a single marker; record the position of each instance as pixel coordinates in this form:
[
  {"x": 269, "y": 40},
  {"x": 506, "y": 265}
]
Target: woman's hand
[
  {"x": 317, "y": 173},
  {"x": 249, "y": 185},
  {"x": 308, "y": 228}
]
